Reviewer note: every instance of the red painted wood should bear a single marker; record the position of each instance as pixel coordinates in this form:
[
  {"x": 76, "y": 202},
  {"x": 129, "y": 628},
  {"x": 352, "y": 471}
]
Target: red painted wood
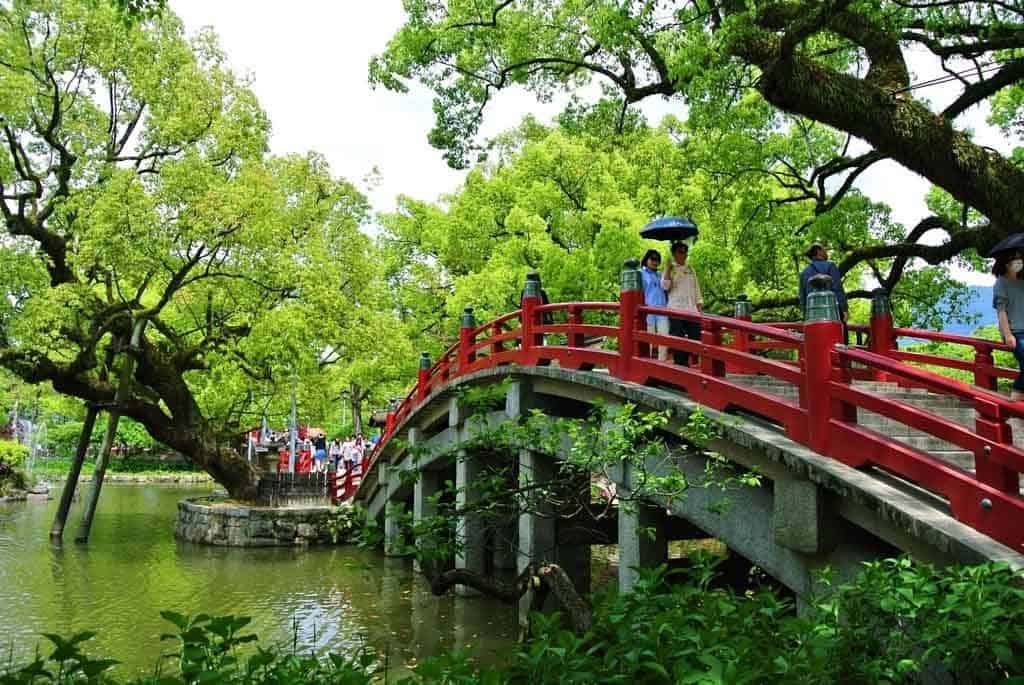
[{"x": 825, "y": 418}]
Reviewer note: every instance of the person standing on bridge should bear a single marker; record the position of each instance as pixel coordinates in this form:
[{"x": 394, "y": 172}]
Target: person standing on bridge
[
  {"x": 654, "y": 296},
  {"x": 820, "y": 265},
  {"x": 1008, "y": 300},
  {"x": 680, "y": 283}
]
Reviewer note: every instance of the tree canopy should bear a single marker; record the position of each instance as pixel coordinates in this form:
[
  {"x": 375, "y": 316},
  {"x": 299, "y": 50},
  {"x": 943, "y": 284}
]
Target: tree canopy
[
  {"x": 843, "y": 64},
  {"x": 138, "y": 197},
  {"x": 567, "y": 201}
]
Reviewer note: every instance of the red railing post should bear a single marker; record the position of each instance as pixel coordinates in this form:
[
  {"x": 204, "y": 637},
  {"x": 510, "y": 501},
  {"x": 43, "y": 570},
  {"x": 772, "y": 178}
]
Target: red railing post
[
  {"x": 711, "y": 337},
  {"x": 741, "y": 339},
  {"x": 528, "y": 321},
  {"x": 423, "y": 380},
  {"x": 466, "y": 340},
  {"x": 630, "y": 298},
  {"x": 497, "y": 347},
  {"x": 983, "y": 363},
  {"x": 576, "y": 319},
  {"x": 883, "y": 341},
  {"x": 991, "y": 423},
  {"x": 822, "y": 332}
]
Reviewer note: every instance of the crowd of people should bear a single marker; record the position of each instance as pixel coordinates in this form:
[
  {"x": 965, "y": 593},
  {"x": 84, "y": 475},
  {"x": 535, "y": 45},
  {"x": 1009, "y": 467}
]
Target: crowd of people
[{"x": 314, "y": 453}]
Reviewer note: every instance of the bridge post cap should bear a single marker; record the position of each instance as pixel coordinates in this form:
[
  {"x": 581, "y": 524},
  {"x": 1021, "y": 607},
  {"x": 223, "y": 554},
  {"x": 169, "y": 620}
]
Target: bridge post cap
[
  {"x": 468, "y": 320},
  {"x": 820, "y": 282},
  {"x": 425, "y": 360},
  {"x": 742, "y": 307},
  {"x": 821, "y": 306},
  {"x": 631, "y": 278},
  {"x": 881, "y": 304},
  {"x": 531, "y": 288}
]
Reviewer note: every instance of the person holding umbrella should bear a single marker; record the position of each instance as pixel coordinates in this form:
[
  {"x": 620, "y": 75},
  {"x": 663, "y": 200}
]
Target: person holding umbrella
[
  {"x": 1008, "y": 301},
  {"x": 679, "y": 281},
  {"x": 683, "y": 289}
]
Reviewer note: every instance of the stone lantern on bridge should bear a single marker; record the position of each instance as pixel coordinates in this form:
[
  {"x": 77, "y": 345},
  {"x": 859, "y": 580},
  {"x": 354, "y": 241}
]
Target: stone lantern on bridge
[{"x": 821, "y": 301}]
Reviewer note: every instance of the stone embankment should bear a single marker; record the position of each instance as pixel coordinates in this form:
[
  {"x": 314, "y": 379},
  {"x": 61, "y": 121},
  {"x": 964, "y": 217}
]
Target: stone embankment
[
  {"x": 155, "y": 478},
  {"x": 212, "y": 522}
]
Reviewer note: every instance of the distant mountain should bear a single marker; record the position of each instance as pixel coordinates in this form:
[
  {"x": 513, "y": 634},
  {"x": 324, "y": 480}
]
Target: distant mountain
[{"x": 981, "y": 305}]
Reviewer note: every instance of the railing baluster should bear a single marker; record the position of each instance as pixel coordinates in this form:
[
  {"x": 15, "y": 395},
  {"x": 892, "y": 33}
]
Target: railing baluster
[
  {"x": 576, "y": 319},
  {"x": 498, "y": 346},
  {"x": 466, "y": 339},
  {"x": 630, "y": 298}
]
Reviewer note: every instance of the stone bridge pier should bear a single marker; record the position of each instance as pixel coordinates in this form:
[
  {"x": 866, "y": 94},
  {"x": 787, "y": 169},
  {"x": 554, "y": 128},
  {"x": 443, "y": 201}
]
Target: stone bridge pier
[{"x": 807, "y": 512}]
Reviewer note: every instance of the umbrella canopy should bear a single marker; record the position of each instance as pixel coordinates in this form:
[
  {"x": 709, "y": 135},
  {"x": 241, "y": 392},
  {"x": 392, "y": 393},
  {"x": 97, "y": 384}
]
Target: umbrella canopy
[
  {"x": 1013, "y": 242},
  {"x": 669, "y": 228}
]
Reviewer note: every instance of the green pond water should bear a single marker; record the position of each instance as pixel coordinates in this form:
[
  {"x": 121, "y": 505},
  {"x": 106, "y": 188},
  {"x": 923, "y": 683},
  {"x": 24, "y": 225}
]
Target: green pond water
[{"x": 325, "y": 599}]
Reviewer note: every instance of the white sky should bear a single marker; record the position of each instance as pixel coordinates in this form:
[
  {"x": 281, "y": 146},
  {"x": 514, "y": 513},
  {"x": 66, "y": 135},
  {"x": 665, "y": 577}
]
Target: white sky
[{"x": 308, "y": 61}]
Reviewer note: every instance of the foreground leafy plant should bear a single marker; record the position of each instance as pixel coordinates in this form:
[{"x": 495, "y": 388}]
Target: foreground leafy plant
[{"x": 209, "y": 651}]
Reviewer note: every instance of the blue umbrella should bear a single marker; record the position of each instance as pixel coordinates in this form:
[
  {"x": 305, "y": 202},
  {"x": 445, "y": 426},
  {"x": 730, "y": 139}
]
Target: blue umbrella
[
  {"x": 669, "y": 228},
  {"x": 1012, "y": 242}
]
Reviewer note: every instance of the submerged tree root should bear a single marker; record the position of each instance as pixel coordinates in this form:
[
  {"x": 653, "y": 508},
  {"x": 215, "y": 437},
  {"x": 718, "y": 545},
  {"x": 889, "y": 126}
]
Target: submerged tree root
[{"x": 544, "y": 579}]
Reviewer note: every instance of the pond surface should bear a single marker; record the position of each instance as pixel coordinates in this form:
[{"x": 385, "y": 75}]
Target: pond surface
[{"x": 324, "y": 599}]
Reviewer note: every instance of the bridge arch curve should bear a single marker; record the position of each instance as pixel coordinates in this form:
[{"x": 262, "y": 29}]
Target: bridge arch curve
[{"x": 810, "y": 511}]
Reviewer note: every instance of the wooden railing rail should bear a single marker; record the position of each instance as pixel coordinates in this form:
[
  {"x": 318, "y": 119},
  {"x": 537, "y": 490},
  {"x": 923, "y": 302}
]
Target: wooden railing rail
[{"x": 824, "y": 417}]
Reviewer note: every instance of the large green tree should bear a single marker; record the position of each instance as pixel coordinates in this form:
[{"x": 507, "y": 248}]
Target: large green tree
[
  {"x": 138, "y": 198},
  {"x": 841, "y": 63},
  {"x": 567, "y": 201}
]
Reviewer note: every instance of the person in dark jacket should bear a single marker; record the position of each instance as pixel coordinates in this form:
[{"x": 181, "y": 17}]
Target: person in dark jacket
[{"x": 819, "y": 265}]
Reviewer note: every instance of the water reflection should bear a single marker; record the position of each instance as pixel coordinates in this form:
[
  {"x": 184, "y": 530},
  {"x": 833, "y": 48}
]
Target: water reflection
[{"x": 320, "y": 599}]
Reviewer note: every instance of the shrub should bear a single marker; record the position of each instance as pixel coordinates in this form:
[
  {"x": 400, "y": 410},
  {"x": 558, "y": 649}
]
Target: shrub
[
  {"x": 13, "y": 453},
  {"x": 209, "y": 651},
  {"x": 898, "y": 621}
]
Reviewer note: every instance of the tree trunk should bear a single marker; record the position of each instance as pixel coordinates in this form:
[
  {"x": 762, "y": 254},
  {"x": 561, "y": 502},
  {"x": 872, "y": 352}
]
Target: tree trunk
[
  {"x": 903, "y": 129},
  {"x": 68, "y": 494},
  {"x": 113, "y": 418}
]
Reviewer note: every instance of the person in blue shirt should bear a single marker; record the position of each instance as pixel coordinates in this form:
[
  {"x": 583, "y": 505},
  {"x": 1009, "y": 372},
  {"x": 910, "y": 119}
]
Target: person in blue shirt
[
  {"x": 821, "y": 265},
  {"x": 654, "y": 296}
]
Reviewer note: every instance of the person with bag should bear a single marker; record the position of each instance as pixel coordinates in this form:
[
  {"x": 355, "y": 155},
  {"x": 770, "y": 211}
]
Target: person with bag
[{"x": 820, "y": 265}]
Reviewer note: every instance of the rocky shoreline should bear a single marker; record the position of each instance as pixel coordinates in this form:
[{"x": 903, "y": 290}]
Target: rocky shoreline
[{"x": 120, "y": 478}]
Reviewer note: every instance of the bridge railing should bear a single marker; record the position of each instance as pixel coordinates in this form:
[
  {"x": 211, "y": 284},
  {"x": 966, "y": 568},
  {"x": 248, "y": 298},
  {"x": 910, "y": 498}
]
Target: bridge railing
[{"x": 822, "y": 416}]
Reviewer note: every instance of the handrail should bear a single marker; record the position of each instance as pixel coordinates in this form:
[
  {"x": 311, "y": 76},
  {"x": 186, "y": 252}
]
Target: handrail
[
  {"x": 501, "y": 320},
  {"x": 954, "y": 338},
  {"x": 823, "y": 418}
]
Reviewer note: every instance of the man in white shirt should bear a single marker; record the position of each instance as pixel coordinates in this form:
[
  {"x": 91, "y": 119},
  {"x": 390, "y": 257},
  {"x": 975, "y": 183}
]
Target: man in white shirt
[{"x": 683, "y": 290}]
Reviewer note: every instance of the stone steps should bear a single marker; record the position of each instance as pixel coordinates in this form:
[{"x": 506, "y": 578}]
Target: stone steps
[{"x": 950, "y": 408}]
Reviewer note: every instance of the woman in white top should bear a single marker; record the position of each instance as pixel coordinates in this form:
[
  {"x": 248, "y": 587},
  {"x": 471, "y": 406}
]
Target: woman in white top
[{"x": 680, "y": 283}]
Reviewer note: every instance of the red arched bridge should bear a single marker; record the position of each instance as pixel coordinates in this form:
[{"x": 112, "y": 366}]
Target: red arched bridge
[{"x": 931, "y": 459}]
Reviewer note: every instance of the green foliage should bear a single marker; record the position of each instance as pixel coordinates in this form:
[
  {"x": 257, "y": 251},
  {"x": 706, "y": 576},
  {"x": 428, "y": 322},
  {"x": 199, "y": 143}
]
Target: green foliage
[
  {"x": 138, "y": 187},
  {"x": 210, "y": 649},
  {"x": 346, "y": 523},
  {"x": 965, "y": 353},
  {"x": 896, "y": 622},
  {"x": 13, "y": 453},
  {"x": 569, "y": 201}
]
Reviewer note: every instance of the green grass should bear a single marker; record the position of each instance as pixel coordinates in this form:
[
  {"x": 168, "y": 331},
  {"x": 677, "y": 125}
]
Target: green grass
[{"x": 56, "y": 467}]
